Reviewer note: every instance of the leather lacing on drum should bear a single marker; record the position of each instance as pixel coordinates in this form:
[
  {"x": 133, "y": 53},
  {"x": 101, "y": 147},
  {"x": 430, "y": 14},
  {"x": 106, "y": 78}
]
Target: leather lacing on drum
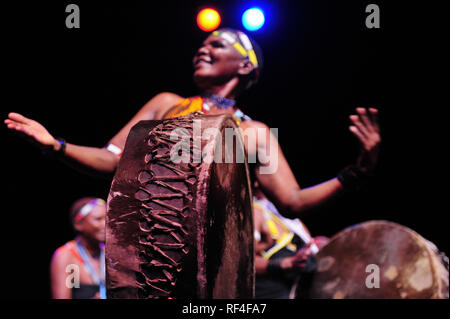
[{"x": 162, "y": 215}]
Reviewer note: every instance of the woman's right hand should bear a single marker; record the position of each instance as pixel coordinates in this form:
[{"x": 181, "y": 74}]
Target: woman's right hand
[
  {"x": 298, "y": 261},
  {"x": 32, "y": 129}
]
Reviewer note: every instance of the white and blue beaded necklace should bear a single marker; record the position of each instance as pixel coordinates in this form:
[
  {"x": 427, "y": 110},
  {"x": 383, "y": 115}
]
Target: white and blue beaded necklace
[{"x": 222, "y": 103}]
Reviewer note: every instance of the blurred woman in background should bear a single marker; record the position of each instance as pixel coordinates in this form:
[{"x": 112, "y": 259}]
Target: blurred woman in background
[{"x": 77, "y": 269}]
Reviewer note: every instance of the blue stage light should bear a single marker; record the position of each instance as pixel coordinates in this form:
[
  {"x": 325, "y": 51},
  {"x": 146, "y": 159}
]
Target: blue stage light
[{"x": 253, "y": 19}]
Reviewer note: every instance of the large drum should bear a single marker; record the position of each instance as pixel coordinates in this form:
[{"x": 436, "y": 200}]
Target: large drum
[
  {"x": 377, "y": 259},
  {"x": 177, "y": 228}
]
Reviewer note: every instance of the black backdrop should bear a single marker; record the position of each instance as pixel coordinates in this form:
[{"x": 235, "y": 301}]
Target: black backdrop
[{"x": 320, "y": 63}]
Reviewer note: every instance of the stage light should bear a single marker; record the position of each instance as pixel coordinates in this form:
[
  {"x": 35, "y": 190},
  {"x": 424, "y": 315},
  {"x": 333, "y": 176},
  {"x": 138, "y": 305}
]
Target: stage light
[
  {"x": 253, "y": 19},
  {"x": 208, "y": 19}
]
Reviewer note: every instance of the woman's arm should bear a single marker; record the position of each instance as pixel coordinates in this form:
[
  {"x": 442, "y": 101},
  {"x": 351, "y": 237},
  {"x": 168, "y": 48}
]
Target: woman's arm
[
  {"x": 58, "y": 275},
  {"x": 278, "y": 182},
  {"x": 84, "y": 157},
  {"x": 274, "y": 265}
]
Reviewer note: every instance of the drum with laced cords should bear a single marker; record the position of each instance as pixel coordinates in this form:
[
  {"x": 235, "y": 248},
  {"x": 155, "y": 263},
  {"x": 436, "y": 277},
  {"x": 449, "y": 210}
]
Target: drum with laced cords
[{"x": 180, "y": 230}]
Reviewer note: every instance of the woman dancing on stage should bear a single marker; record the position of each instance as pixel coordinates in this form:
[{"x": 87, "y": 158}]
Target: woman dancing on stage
[
  {"x": 221, "y": 72},
  {"x": 227, "y": 63}
]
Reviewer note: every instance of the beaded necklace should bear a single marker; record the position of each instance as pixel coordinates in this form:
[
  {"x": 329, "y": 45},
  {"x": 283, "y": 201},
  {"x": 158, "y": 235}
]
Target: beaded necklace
[
  {"x": 218, "y": 101},
  {"x": 222, "y": 103}
]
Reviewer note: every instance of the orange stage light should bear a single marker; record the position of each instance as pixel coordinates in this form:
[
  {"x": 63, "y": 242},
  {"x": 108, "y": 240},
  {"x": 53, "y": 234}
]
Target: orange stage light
[{"x": 208, "y": 19}]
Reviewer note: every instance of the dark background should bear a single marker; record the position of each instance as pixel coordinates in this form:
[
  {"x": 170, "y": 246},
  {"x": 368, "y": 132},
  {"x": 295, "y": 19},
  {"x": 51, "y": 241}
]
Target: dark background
[{"x": 321, "y": 62}]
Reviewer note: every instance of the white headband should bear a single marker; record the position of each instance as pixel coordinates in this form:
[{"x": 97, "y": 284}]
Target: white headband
[{"x": 86, "y": 209}]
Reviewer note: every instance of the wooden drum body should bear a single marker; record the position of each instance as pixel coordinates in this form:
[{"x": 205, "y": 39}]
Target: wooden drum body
[
  {"x": 378, "y": 259},
  {"x": 179, "y": 230}
]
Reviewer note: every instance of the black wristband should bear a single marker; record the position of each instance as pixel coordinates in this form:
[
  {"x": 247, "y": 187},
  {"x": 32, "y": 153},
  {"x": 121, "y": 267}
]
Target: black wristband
[
  {"x": 353, "y": 178},
  {"x": 62, "y": 149},
  {"x": 274, "y": 266}
]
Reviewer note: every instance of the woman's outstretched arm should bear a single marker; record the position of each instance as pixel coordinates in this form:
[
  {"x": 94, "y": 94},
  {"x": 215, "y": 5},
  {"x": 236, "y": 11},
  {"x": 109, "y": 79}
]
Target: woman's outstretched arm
[
  {"x": 278, "y": 182},
  {"x": 90, "y": 159}
]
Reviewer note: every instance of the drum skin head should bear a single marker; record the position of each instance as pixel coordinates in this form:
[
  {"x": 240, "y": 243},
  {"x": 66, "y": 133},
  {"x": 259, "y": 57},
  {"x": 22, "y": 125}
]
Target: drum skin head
[
  {"x": 178, "y": 230},
  {"x": 378, "y": 260}
]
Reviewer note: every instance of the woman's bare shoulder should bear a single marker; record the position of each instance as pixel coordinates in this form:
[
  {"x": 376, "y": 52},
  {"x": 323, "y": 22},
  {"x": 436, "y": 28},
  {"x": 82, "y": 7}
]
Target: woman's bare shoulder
[
  {"x": 160, "y": 103},
  {"x": 252, "y": 124},
  {"x": 63, "y": 254},
  {"x": 166, "y": 97}
]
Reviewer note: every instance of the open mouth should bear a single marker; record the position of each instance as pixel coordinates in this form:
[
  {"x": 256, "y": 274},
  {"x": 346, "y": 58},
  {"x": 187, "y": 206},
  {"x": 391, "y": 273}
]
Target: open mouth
[{"x": 203, "y": 60}]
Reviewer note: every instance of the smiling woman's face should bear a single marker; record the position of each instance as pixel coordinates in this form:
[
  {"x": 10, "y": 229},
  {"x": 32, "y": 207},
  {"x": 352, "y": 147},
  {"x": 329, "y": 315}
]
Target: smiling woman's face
[
  {"x": 216, "y": 62},
  {"x": 93, "y": 225}
]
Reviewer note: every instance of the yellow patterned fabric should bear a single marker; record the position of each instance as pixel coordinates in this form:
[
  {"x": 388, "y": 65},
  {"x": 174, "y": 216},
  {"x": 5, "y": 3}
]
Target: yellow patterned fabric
[
  {"x": 282, "y": 239},
  {"x": 195, "y": 104},
  {"x": 185, "y": 107}
]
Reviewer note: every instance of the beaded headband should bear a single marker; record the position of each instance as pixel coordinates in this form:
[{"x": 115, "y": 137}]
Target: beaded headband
[
  {"x": 240, "y": 42},
  {"x": 86, "y": 209}
]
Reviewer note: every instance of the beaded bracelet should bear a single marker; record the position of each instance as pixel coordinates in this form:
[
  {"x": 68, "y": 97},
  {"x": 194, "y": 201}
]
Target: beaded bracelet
[
  {"x": 62, "y": 149},
  {"x": 353, "y": 178}
]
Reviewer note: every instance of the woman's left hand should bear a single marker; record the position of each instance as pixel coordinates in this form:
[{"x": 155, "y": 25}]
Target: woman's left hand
[{"x": 365, "y": 127}]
